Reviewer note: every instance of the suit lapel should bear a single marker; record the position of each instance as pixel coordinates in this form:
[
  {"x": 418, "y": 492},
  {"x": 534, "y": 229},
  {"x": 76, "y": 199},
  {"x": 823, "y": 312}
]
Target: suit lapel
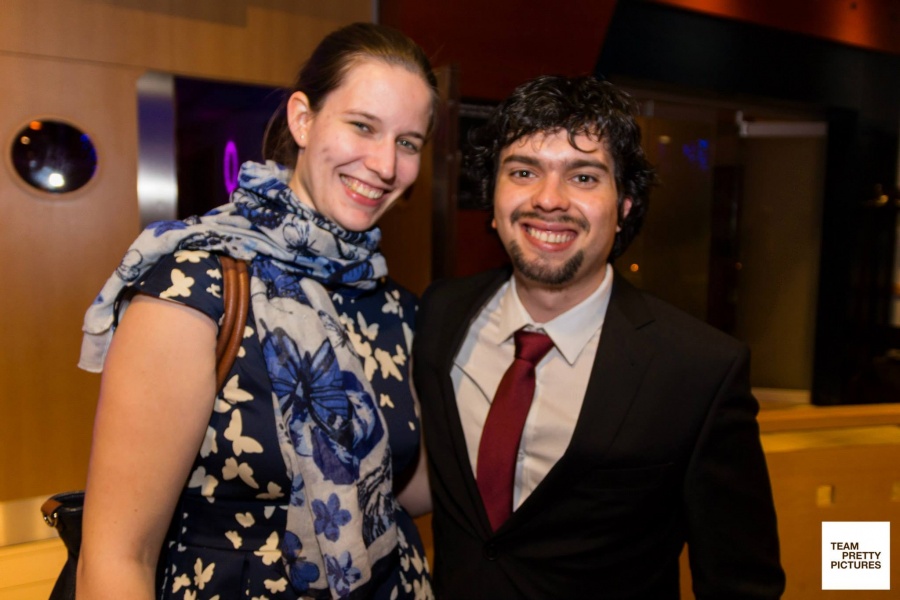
[
  {"x": 469, "y": 302},
  {"x": 622, "y": 358}
]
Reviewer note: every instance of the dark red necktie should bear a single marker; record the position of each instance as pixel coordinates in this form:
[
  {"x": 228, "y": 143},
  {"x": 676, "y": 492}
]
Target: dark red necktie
[{"x": 503, "y": 428}]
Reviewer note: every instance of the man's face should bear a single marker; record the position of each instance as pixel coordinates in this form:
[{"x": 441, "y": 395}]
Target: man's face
[{"x": 555, "y": 209}]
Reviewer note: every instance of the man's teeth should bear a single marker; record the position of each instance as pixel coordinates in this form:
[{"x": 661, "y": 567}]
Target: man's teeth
[
  {"x": 550, "y": 237},
  {"x": 361, "y": 188}
]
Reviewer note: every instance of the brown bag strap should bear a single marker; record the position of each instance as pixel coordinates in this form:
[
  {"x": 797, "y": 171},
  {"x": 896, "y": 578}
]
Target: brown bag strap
[
  {"x": 236, "y": 295},
  {"x": 48, "y": 510}
]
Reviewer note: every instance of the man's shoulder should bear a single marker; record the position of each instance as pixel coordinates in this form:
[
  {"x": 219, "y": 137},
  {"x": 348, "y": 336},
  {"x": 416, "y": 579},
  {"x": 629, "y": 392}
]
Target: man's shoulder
[{"x": 674, "y": 324}]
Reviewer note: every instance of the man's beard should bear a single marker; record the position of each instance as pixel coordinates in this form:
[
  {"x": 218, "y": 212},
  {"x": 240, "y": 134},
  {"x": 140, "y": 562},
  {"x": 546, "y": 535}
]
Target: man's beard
[{"x": 545, "y": 274}]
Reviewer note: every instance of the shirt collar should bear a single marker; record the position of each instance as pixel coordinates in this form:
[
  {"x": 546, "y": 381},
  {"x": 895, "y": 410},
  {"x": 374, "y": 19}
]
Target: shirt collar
[{"x": 570, "y": 331}]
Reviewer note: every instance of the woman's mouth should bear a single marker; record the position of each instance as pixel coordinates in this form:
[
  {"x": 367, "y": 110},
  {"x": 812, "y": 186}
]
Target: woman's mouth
[{"x": 363, "y": 189}]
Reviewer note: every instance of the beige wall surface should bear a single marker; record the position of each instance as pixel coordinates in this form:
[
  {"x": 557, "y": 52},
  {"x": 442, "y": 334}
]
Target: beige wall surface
[
  {"x": 251, "y": 41},
  {"x": 57, "y": 251},
  {"x": 79, "y": 61}
]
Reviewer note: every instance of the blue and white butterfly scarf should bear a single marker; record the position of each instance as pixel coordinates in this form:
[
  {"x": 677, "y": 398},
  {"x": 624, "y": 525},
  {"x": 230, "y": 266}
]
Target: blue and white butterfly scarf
[{"x": 333, "y": 437}]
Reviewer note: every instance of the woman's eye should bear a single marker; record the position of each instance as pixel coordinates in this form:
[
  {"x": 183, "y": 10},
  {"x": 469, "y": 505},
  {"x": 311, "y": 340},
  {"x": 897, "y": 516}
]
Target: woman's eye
[
  {"x": 408, "y": 145},
  {"x": 362, "y": 126}
]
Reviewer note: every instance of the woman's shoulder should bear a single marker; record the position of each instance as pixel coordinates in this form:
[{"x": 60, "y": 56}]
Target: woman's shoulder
[{"x": 189, "y": 277}]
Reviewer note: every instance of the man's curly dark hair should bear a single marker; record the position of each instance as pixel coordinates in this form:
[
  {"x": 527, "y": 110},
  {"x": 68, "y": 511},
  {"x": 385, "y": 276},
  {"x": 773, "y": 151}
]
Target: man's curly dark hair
[{"x": 580, "y": 105}]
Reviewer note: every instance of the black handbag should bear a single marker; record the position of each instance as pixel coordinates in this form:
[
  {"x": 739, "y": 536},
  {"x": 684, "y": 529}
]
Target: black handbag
[{"x": 64, "y": 510}]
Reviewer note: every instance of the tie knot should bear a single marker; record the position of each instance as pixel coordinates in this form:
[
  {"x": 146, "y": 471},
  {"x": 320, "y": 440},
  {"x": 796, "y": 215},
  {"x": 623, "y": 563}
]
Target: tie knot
[{"x": 532, "y": 346}]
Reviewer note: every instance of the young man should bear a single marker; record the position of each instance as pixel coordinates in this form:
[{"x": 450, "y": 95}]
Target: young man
[{"x": 578, "y": 463}]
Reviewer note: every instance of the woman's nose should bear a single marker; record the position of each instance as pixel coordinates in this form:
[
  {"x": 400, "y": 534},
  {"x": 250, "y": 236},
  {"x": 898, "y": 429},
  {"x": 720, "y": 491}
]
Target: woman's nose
[{"x": 382, "y": 160}]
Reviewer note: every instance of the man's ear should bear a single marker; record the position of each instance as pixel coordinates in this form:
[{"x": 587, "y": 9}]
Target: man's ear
[
  {"x": 299, "y": 117},
  {"x": 623, "y": 212}
]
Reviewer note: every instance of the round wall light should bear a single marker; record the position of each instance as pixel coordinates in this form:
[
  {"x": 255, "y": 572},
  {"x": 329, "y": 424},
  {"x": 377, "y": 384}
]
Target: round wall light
[{"x": 53, "y": 156}]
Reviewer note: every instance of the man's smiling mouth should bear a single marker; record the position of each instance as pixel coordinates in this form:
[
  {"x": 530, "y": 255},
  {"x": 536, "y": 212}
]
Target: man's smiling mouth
[{"x": 550, "y": 237}]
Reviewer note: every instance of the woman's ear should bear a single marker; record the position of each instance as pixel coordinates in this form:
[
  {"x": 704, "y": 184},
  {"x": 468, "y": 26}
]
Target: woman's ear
[{"x": 299, "y": 117}]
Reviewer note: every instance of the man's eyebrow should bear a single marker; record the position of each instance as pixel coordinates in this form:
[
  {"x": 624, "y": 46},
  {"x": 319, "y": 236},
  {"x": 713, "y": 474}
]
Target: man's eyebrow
[
  {"x": 584, "y": 162},
  {"x": 580, "y": 163},
  {"x": 521, "y": 158}
]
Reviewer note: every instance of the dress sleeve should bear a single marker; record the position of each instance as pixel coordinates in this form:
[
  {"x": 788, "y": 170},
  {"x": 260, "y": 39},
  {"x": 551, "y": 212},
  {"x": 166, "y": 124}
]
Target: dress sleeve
[{"x": 190, "y": 277}]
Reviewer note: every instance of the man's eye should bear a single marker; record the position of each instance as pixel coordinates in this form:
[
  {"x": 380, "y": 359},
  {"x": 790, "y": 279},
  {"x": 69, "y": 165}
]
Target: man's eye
[
  {"x": 585, "y": 179},
  {"x": 521, "y": 173}
]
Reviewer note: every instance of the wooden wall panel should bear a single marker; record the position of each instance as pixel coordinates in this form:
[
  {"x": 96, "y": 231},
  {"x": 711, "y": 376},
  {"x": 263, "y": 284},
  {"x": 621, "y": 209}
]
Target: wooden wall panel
[
  {"x": 57, "y": 252},
  {"x": 79, "y": 60},
  {"x": 251, "y": 41}
]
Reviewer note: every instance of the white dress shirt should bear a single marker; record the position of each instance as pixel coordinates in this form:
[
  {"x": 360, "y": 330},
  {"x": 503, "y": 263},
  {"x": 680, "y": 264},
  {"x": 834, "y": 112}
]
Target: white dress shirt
[{"x": 562, "y": 377}]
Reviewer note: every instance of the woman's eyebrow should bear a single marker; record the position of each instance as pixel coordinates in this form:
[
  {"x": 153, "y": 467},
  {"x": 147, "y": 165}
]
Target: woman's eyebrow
[{"x": 374, "y": 119}]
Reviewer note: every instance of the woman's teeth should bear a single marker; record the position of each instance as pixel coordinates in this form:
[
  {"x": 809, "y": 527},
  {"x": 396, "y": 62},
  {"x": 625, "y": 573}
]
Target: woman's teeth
[{"x": 361, "y": 188}]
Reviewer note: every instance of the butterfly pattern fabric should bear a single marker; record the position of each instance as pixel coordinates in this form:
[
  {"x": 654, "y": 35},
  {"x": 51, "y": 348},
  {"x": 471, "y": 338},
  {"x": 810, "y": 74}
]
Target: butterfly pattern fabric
[
  {"x": 231, "y": 537},
  {"x": 328, "y": 420}
]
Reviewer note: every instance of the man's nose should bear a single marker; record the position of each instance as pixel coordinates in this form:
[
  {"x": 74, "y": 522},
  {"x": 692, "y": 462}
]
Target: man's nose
[{"x": 551, "y": 195}]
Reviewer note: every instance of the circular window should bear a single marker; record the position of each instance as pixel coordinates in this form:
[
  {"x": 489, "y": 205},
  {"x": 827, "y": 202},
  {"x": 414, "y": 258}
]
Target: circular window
[{"x": 53, "y": 156}]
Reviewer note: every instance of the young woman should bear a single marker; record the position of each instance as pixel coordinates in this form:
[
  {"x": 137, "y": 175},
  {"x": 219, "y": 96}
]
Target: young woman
[{"x": 284, "y": 484}]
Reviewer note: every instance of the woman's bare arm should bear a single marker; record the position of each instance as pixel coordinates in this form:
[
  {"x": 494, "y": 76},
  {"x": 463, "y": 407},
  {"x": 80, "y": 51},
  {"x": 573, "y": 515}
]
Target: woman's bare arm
[
  {"x": 415, "y": 494},
  {"x": 156, "y": 398}
]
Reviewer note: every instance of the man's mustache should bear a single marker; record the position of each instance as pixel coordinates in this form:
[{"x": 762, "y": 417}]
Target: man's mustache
[{"x": 519, "y": 214}]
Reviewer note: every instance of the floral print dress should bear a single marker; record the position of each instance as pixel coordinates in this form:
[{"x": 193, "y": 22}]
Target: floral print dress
[{"x": 226, "y": 537}]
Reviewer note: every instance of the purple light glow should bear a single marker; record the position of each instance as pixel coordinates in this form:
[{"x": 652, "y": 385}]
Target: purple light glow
[{"x": 230, "y": 166}]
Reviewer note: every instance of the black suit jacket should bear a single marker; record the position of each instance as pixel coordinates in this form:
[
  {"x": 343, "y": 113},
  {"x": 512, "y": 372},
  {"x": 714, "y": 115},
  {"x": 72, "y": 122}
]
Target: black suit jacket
[{"x": 665, "y": 451}]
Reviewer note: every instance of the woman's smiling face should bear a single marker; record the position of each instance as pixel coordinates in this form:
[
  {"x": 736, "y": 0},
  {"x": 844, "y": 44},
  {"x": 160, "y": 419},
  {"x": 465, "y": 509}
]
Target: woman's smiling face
[{"x": 361, "y": 150}]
